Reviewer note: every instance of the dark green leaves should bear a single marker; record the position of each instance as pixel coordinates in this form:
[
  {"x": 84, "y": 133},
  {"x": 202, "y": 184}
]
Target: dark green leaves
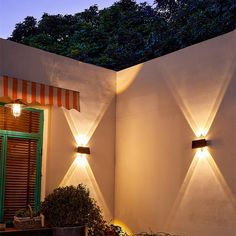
[
  {"x": 128, "y": 33},
  {"x": 73, "y": 206}
]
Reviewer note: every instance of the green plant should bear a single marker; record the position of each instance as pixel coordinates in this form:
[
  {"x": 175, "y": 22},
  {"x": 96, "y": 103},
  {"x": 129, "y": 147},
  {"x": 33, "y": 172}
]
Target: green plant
[
  {"x": 26, "y": 212},
  {"x": 114, "y": 230},
  {"x": 128, "y": 32},
  {"x": 73, "y": 206}
]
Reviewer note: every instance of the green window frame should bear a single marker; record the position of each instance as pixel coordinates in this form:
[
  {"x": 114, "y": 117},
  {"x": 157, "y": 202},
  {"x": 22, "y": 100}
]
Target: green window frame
[{"x": 5, "y": 134}]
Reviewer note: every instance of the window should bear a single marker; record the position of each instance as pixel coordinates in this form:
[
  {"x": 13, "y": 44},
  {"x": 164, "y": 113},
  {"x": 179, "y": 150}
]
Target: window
[{"x": 20, "y": 160}]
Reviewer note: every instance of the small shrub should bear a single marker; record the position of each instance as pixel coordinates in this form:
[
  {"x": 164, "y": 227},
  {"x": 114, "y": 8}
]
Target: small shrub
[
  {"x": 73, "y": 206},
  {"x": 26, "y": 212}
]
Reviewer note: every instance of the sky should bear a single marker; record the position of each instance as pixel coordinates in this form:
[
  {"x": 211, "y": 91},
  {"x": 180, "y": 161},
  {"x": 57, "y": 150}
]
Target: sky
[{"x": 14, "y": 11}]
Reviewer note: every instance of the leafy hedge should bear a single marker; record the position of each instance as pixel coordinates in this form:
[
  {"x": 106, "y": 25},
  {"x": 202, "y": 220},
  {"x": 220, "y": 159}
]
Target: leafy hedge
[
  {"x": 128, "y": 33},
  {"x": 73, "y": 206}
]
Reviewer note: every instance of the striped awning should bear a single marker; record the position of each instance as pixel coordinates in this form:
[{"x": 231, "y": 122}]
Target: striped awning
[{"x": 33, "y": 93}]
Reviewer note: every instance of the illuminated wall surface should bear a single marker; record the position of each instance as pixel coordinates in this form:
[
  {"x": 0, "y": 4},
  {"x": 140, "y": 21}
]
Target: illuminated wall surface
[
  {"x": 142, "y": 170},
  {"x": 162, "y": 105}
]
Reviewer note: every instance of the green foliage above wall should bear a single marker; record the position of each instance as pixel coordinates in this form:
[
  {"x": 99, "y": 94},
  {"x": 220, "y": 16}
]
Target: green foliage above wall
[{"x": 128, "y": 33}]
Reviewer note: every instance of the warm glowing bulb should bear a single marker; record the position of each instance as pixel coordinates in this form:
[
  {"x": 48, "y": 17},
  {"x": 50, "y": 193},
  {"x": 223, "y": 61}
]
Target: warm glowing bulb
[
  {"x": 81, "y": 160},
  {"x": 201, "y": 133},
  {"x": 202, "y": 153},
  {"x": 82, "y": 140},
  {"x": 123, "y": 226},
  {"x": 16, "y": 109}
]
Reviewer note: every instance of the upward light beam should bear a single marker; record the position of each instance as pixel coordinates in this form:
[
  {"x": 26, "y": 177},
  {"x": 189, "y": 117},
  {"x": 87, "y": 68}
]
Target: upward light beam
[
  {"x": 199, "y": 99},
  {"x": 204, "y": 195},
  {"x": 80, "y": 170}
]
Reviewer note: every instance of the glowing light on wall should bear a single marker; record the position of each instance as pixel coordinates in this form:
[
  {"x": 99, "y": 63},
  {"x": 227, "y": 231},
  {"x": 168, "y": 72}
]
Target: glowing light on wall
[
  {"x": 82, "y": 140},
  {"x": 199, "y": 143},
  {"x": 81, "y": 161},
  {"x": 81, "y": 172},
  {"x": 83, "y": 126},
  {"x": 202, "y": 153},
  {"x": 203, "y": 197},
  {"x": 193, "y": 205},
  {"x": 126, "y": 77},
  {"x": 198, "y": 107},
  {"x": 83, "y": 150},
  {"x": 123, "y": 226},
  {"x": 201, "y": 132}
]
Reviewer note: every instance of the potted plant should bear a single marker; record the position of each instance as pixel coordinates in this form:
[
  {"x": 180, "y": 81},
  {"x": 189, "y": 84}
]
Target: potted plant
[
  {"x": 71, "y": 211},
  {"x": 2, "y": 226},
  {"x": 27, "y": 219}
]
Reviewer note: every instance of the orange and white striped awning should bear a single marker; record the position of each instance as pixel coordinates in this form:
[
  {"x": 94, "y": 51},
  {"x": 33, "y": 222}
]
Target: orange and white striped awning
[{"x": 33, "y": 93}]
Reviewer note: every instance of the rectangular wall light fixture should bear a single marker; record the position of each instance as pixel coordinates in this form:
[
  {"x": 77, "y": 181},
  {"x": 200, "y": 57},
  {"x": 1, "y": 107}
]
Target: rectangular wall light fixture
[
  {"x": 200, "y": 143},
  {"x": 83, "y": 150}
]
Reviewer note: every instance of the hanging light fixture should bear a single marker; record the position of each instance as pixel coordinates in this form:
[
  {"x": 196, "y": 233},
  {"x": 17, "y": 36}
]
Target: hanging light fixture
[{"x": 16, "y": 107}]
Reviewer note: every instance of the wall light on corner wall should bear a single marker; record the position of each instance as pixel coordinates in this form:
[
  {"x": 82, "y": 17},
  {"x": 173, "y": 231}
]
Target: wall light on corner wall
[
  {"x": 81, "y": 159},
  {"x": 83, "y": 150},
  {"x": 200, "y": 143},
  {"x": 201, "y": 146}
]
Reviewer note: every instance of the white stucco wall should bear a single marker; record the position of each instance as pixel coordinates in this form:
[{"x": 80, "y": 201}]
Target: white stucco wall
[
  {"x": 95, "y": 123},
  {"x": 162, "y": 105}
]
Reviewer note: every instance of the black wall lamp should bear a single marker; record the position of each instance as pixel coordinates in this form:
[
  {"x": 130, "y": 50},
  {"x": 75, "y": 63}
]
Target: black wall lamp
[
  {"x": 200, "y": 143},
  {"x": 83, "y": 150}
]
